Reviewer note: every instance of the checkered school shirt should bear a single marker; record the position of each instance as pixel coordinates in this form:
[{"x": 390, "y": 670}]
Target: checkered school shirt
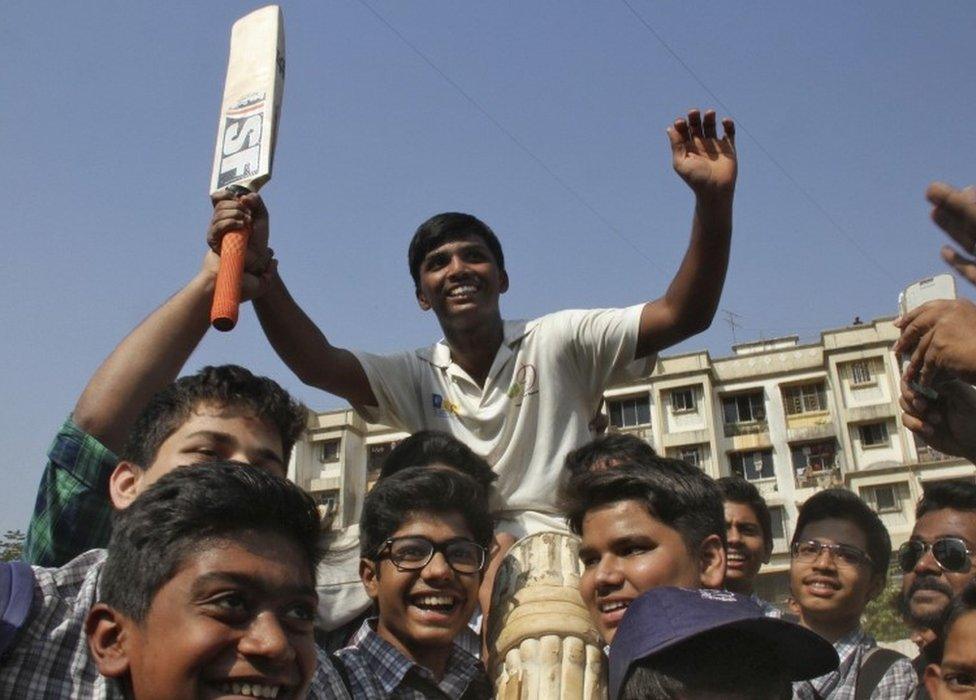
[
  {"x": 72, "y": 513},
  {"x": 375, "y": 669},
  {"x": 899, "y": 682},
  {"x": 49, "y": 658}
]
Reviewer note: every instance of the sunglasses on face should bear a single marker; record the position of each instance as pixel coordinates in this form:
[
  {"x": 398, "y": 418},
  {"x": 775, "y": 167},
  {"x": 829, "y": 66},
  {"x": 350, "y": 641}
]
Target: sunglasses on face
[
  {"x": 413, "y": 552},
  {"x": 950, "y": 553},
  {"x": 843, "y": 554}
]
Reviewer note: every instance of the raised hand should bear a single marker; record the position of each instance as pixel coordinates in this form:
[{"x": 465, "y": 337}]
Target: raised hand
[
  {"x": 707, "y": 163},
  {"x": 233, "y": 213},
  {"x": 946, "y": 424},
  {"x": 940, "y": 336},
  {"x": 954, "y": 211}
]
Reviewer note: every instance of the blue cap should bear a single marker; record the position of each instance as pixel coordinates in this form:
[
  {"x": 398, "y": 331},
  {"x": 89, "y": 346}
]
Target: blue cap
[
  {"x": 16, "y": 596},
  {"x": 665, "y": 617}
]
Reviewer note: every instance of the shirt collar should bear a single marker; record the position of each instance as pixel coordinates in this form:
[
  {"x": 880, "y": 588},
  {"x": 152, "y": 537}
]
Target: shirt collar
[
  {"x": 439, "y": 354},
  {"x": 391, "y": 666}
]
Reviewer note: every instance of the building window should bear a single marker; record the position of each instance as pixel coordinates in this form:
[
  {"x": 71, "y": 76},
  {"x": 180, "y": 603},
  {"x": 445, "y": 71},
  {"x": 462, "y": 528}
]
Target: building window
[
  {"x": 752, "y": 466},
  {"x": 626, "y": 413},
  {"x": 328, "y": 503},
  {"x": 683, "y": 400},
  {"x": 777, "y": 525},
  {"x": 809, "y": 398},
  {"x": 884, "y": 498},
  {"x": 744, "y": 408},
  {"x": 329, "y": 452},
  {"x": 692, "y": 455},
  {"x": 861, "y": 372},
  {"x": 814, "y": 456},
  {"x": 873, "y": 434},
  {"x": 376, "y": 455}
]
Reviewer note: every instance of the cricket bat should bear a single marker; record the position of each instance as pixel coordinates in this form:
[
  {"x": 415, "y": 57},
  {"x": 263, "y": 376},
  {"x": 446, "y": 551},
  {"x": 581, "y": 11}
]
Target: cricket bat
[{"x": 246, "y": 136}]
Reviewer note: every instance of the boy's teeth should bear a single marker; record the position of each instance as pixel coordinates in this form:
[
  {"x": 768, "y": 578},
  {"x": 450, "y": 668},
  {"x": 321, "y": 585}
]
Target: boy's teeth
[
  {"x": 610, "y": 607},
  {"x": 435, "y": 600},
  {"x": 254, "y": 690}
]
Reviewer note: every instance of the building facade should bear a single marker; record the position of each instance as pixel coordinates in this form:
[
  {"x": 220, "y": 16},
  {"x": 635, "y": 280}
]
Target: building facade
[{"x": 792, "y": 418}]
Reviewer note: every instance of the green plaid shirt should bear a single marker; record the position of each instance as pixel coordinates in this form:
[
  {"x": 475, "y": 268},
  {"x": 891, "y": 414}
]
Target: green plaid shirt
[{"x": 73, "y": 512}]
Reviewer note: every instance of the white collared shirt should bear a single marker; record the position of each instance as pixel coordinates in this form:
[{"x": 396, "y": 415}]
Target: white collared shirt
[{"x": 543, "y": 388}]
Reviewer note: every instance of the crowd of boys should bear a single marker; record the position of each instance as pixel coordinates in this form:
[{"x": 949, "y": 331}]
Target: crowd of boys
[{"x": 169, "y": 557}]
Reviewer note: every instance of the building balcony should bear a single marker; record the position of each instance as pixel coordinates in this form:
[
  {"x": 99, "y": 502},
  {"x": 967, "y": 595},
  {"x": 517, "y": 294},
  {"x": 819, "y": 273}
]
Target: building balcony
[
  {"x": 766, "y": 487},
  {"x": 928, "y": 454},
  {"x": 818, "y": 478},
  {"x": 750, "y": 428}
]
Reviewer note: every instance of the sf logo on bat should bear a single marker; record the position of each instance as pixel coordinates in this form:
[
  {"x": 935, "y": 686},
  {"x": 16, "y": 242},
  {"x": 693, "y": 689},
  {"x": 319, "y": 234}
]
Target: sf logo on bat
[{"x": 241, "y": 147}]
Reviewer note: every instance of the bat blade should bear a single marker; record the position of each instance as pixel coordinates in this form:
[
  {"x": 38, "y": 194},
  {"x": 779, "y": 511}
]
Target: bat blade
[{"x": 246, "y": 135}]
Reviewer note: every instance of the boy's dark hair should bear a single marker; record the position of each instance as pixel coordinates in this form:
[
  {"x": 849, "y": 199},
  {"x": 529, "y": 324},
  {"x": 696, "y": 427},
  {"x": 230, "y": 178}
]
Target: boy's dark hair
[
  {"x": 844, "y": 505},
  {"x": 957, "y": 495},
  {"x": 737, "y": 490},
  {"x": 612, "y": 448},
  {"x": 444, "y": 228},
  {"x": 429, "y": 447},
  {"x": 422, "y": 490},
  {"x": 193, "y": 505},
  {"x": 226, "y": 385},
  {"x": 679, "y": 495},
  {"x": 962, "y": 604},
  {"x": 716, "y": 663}
]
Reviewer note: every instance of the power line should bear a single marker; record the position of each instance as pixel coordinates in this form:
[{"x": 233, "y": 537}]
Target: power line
[
  {"x": 514, "y": 139},
  {"x": 779, "y": 166}
]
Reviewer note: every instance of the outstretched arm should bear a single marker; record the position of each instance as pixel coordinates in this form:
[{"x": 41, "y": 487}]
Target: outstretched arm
[
  {"x": 293, "y": 335},
  {"x": 708, "y": 164}
]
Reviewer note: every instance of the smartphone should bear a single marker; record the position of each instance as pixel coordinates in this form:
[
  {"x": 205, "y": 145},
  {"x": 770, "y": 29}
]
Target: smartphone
[{"x": 914, "y": 295}]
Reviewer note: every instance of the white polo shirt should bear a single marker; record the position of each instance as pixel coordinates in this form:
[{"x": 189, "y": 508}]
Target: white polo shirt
[{"x": 542, "y": 390}]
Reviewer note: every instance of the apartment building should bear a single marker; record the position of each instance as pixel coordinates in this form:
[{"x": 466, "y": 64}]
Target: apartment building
[{"x": 792, "y": 418}]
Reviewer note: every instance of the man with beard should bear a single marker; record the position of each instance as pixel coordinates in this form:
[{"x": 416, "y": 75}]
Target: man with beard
[{"x": 937, "y": 561}]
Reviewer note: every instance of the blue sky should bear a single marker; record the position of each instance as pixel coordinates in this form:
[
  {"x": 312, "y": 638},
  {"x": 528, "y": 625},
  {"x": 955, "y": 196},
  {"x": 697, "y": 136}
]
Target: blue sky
[{"x": 544, "y": 119}]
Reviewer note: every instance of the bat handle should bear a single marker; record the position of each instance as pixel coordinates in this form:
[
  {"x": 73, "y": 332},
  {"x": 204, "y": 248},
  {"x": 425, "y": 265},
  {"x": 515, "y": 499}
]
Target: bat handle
[{"x": 227, "y": 290}]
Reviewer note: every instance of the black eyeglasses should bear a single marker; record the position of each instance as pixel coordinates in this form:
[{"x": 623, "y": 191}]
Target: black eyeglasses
[
  {"x": 950, "y": 553},
  {"x": 844, "y": 554},
  {"x": 413, "y": 552}
]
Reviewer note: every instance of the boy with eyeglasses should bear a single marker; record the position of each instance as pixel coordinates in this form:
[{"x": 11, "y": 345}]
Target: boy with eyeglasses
[
  {"x": 937, "y": 561},
  {"x": 425, "y": 533},
  {"x": 841, "y": 551}
]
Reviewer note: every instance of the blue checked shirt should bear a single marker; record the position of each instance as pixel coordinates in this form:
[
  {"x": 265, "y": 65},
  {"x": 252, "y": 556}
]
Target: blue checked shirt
[
  {"x": 375, "y": 669},
  {"x": 899, "y": 682}
]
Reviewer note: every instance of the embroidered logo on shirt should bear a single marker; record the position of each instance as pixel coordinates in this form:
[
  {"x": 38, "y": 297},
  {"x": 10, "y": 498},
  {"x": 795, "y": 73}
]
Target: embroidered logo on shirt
[
  {"x": 442, "y": 407},
  {"x": 524, "y": 384}
]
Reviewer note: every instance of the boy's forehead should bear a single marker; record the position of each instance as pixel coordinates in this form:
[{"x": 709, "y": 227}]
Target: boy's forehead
[
  {"x": 621, "y": 518},
  {"x": 263, "y": 560},
  {"x": 462, "y": 240},
  {"x": 740, "y": 511},
  {"x": 434, "y": 525},
  {"x": 835, "y": 531}
]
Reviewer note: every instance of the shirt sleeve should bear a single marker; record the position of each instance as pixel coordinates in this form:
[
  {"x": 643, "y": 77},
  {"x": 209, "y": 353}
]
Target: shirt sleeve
[
  {"x": 603, "y": 343},
  {"x": 73, "y": 512},
  {"x": 395, "y": 384}
]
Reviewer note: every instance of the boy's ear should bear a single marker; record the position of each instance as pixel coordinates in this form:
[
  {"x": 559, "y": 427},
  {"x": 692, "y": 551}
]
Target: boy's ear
[
  {"x": 503, "y": 278},
  {"x": 422, "y": 300},
  {"x": 107, "y": 633},
  {"x": 123, "y": 484},
  {"x": 933, "y": 678},
  {"x": 712, "y": 562},
  {"x": 370, "y": 575}
]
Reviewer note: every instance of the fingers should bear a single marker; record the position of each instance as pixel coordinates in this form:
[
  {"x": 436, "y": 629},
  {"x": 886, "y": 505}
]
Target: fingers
[
  {"x": 728, "y": 126},
  {"x": 921, "y": 364},
  {"x": 954, "y": 211},
  {"x": 695, "y": 124},
  {"x": 229, "y": 215},
  {"x": 961, "y": 264}
]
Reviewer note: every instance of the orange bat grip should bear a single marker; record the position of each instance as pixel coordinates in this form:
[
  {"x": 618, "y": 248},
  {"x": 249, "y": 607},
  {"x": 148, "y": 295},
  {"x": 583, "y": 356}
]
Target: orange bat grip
[{"x": 227, "y": 290}]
